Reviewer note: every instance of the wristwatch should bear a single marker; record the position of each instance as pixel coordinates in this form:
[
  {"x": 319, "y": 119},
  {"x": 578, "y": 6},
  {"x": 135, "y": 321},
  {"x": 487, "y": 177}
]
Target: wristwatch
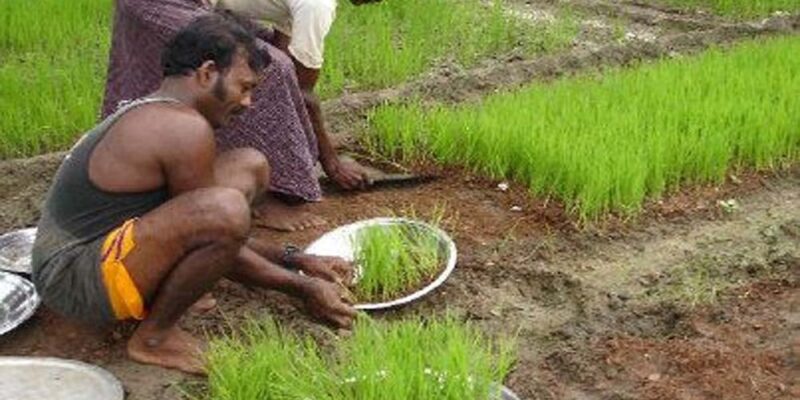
[{"x": 290, "y": 252}]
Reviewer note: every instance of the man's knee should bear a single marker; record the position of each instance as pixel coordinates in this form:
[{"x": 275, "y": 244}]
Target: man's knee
[
  {"x": 254, "y": 160},
  {"x": 227, "y": 211}
]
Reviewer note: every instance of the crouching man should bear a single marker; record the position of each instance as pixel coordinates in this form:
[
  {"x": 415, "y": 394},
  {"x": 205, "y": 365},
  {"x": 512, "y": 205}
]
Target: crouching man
[{"x": 144, "y": 216}]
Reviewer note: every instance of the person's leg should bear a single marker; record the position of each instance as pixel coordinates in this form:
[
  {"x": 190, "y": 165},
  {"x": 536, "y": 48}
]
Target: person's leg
[
  {"x": 247, "y": 170},
  {"x": 182, "y": 249},
  {"x": 277, "y": 126}
]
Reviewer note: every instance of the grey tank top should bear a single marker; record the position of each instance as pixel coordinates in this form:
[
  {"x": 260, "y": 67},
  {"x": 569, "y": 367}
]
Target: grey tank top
[{"x": 76, "y": 211}]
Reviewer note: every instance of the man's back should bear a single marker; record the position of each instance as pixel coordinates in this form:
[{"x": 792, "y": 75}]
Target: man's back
[{"x": 77, "y": 212}]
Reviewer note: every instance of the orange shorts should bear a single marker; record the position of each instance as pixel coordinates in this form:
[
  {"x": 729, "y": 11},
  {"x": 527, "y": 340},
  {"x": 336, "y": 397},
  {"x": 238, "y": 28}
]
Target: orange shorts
[{"x": 125, "y": 299}]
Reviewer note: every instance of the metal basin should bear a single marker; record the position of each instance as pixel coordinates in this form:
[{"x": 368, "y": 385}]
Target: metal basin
[
  {"x": 18, "y": 301},
  {"x": 507, "y": 394},
  {"x": 15, "y": 250},
  {"x": 341, "y": 243},
  {"x": 32, "y": 378}
]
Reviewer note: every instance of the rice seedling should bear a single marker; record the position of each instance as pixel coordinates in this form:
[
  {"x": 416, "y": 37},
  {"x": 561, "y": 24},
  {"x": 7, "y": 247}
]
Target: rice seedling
[
  {"x": 742, "y": 8},
  {"x": 52, "y": 69},
  {"x": 606, "y": 143},
  {"x": 49, "y": 26},
  {"x": 411, "y": 359},
  {"x": 53, "y": 57},
  {"x": 393, "y": 259},
  {"x": 386, "y": 43}
]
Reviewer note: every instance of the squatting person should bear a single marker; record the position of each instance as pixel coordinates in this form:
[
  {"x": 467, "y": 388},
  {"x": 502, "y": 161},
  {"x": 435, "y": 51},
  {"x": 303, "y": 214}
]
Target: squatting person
[{"x": 144, "y": 216}]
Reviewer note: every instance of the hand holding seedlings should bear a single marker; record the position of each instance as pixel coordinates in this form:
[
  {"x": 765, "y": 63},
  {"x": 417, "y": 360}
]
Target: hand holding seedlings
[
  {"x": 329, "y": 301},
  {"x": 331, "y": 269}
]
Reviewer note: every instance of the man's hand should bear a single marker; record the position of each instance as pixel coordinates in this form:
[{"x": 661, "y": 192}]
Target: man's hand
[
  {"x": 330, "y": 301},
  {"x": 347, "y": 174},
  {"x": 331, "y": 269}
]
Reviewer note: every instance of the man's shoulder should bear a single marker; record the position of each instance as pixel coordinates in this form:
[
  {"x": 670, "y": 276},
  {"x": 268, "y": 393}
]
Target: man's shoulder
[
  {"x": 160, "y": 132},
  {"x": 165, "y": 122},
  {"x": 169, "y": 116}
]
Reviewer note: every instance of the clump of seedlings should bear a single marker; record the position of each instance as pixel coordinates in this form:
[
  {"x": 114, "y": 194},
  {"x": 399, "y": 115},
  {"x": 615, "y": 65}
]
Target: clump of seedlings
[
  {"x": 606, "y": 143},
  {"x": 437, "y": 359},
  {"x": 394, "y": 258}
]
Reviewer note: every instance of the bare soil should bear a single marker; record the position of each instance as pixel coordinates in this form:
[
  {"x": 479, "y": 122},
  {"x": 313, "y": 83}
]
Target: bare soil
[{"x": 691, "y": 300}]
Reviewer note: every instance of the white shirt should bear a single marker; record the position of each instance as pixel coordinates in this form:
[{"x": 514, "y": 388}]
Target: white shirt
[{"x": 306, "y": 22}]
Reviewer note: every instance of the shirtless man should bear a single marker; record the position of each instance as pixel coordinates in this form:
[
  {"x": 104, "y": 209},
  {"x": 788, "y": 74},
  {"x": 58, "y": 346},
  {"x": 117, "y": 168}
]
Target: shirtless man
[{"x": 144, "y": 218}]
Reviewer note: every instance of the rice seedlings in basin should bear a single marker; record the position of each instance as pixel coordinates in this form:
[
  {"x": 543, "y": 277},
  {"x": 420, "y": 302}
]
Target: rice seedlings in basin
[
  {"x": 605, "y": 143},
  {"x": 393, "y": 259},
  {"x": 413, "y": 359}
]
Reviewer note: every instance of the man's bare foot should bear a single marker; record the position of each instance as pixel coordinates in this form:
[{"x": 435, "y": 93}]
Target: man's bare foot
[
  {"x": 274, "y": 214},
  {"x": 173, "y": 348},
  {"x": 205, "y": 303}
]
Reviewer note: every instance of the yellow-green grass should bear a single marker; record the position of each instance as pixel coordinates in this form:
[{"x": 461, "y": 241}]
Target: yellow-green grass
[
  {"x": 606, "y": 142},
  {"x": 742, "y": 8},
  {"x": 382, "y": 44},
  {"x": 394, "y": 259},
  {"x": 438, "y": 359},
  {"x": 52, "y": 70},
  {"x": 53, "y": 56}
]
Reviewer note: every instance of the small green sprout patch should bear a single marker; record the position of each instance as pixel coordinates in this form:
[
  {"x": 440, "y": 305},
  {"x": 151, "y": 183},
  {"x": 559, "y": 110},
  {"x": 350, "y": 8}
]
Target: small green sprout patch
[
  {"x": 412, "y": 359},
  {"x": 394, "y": 258}
]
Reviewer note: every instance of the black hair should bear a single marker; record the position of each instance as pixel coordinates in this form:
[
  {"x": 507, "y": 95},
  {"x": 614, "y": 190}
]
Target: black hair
[{"x": 215, "y": 37}]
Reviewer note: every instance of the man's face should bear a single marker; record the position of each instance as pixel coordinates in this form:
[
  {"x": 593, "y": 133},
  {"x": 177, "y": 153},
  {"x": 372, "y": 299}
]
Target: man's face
[{"x": 230, "y": 93}]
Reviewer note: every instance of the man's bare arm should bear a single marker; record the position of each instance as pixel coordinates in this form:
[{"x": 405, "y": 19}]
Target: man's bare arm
[
  {"x": 188, "y": 153},
  {"x": 323, "y": 299},
  {"x": 332, "y": 269}
]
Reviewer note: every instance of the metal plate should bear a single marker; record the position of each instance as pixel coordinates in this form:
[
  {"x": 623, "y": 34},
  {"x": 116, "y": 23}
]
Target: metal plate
[
  {"x": 15, "y": 250},
  {"x": 340, "y": 243},
  {"x": 507, "y": 394},
  {"x": 18, "y": 301},
  {"x": 31, "y": 378}
]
